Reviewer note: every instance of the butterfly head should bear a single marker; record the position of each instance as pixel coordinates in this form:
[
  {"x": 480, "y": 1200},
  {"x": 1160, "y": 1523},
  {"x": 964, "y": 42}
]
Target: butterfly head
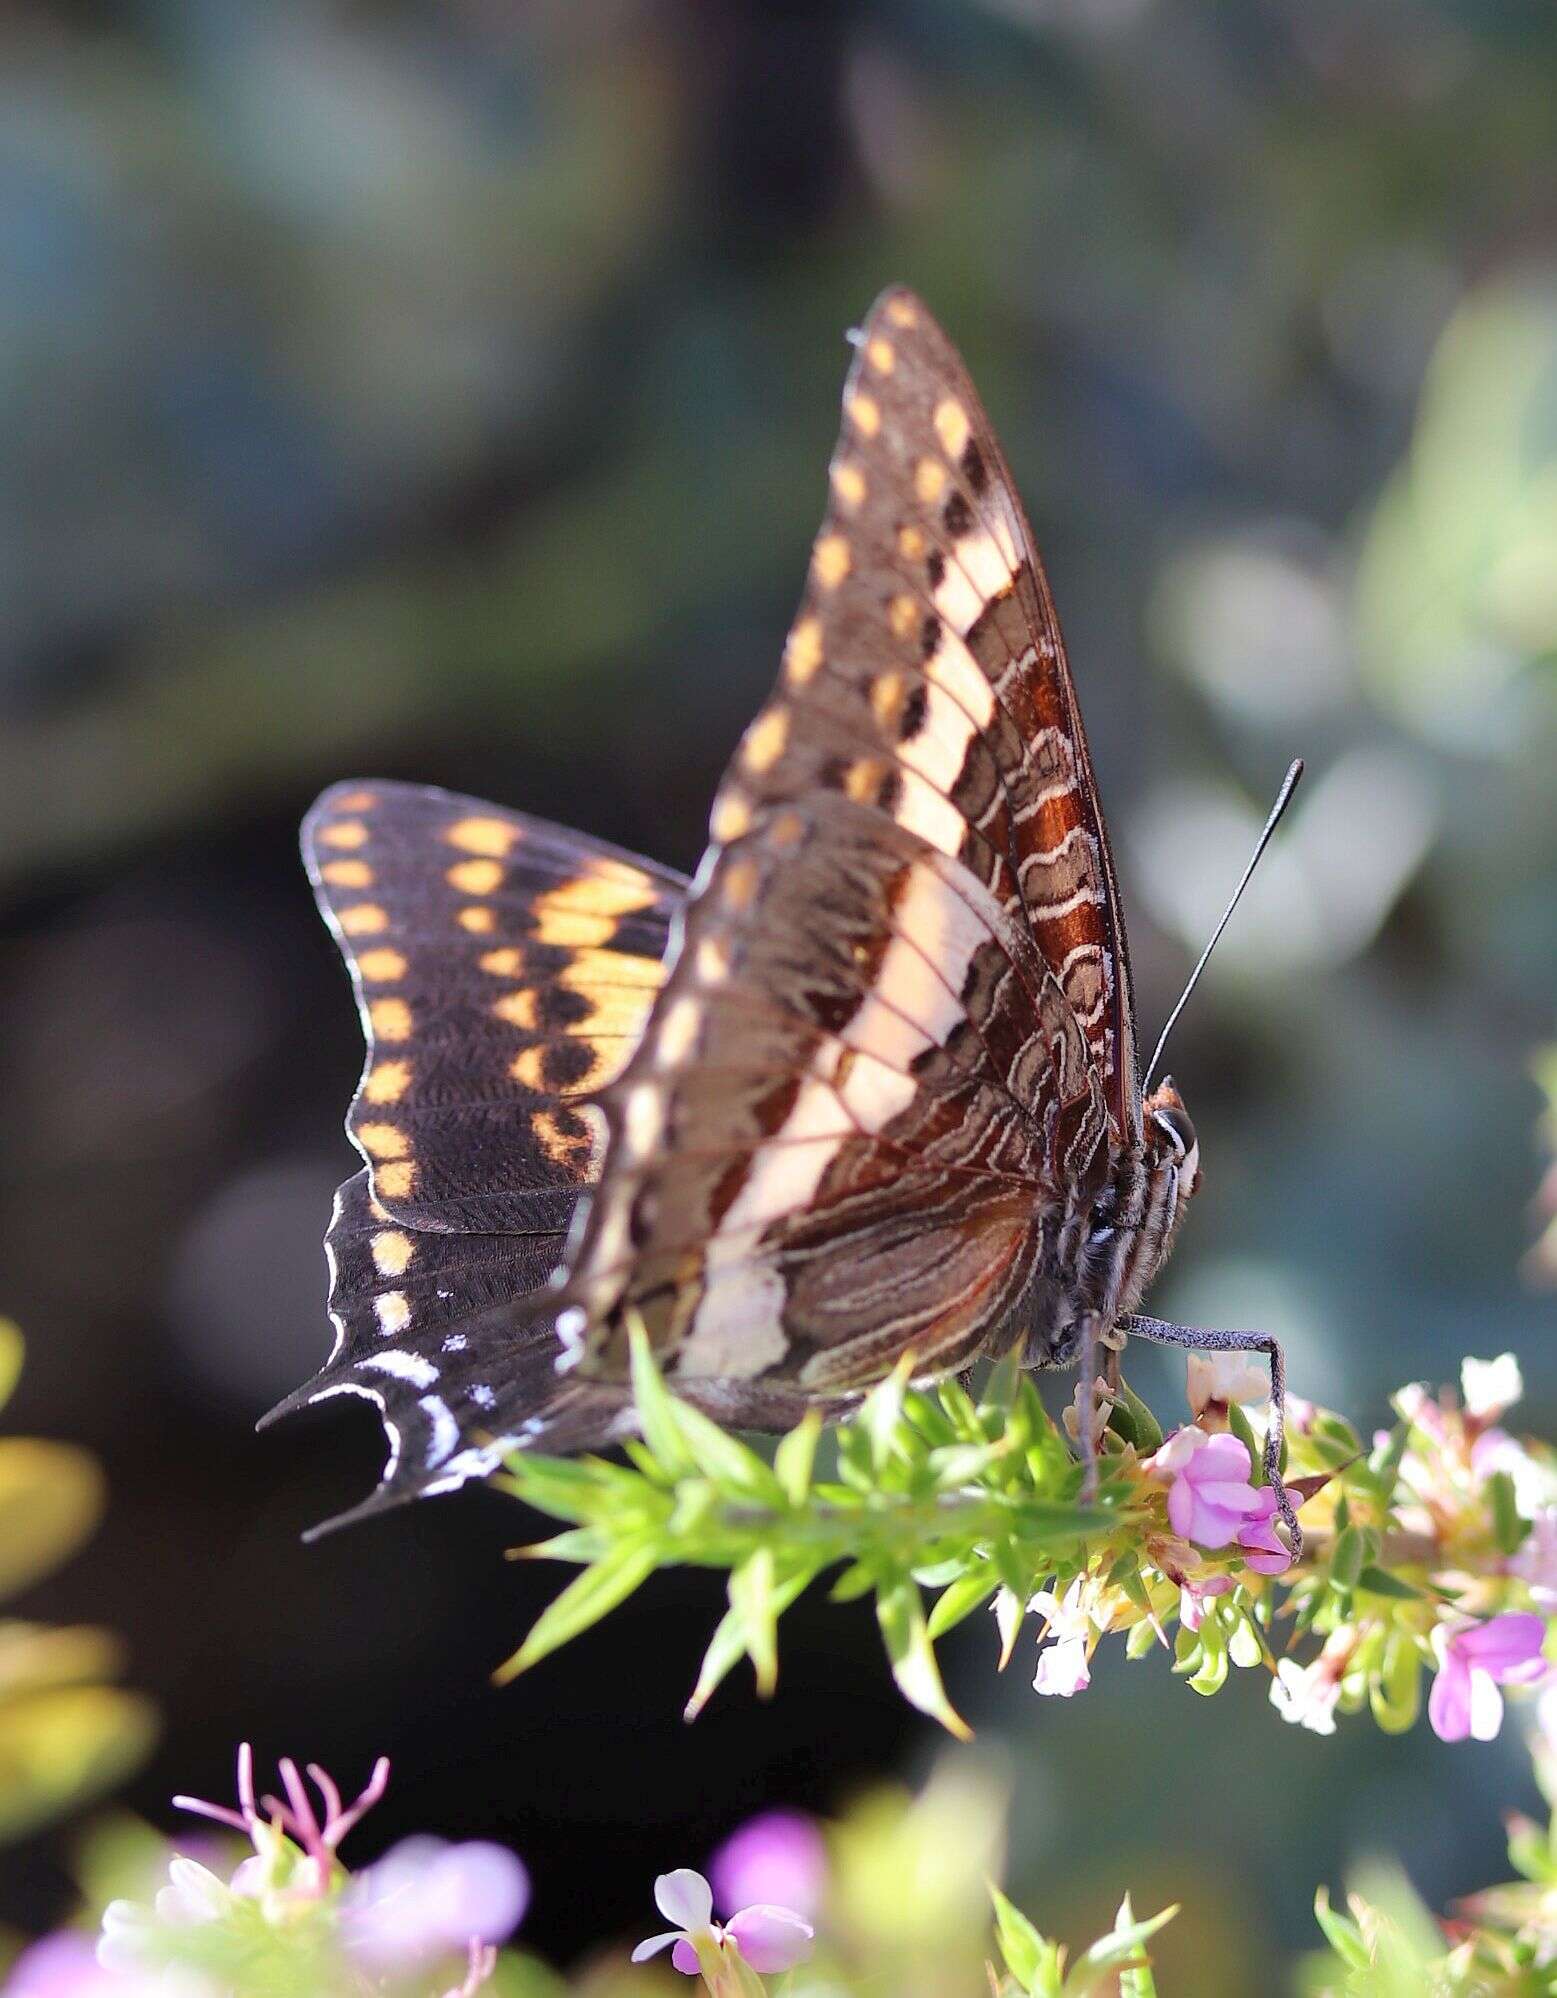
[{"x": 1170, "y": 1138}]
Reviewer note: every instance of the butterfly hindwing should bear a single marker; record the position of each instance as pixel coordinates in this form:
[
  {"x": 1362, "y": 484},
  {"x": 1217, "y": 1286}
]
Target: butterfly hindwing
[
  {"x": 504, "y": 968},
  {"x": 425, "y": 1329},
  {"x": 833, "y": 1143}
]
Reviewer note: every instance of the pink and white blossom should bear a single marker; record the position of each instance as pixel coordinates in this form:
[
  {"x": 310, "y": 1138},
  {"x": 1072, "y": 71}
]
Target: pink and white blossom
[
  {"x": 1307, "y": 1695},
  {"x": 767, "y": 1939},
  {"x": 1194, "y": 1596},
  {"x": 1474, "y": 1660}
]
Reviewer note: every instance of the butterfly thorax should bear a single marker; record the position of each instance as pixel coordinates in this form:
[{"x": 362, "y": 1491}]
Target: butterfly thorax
[{"x": 1115, "y": 1235}]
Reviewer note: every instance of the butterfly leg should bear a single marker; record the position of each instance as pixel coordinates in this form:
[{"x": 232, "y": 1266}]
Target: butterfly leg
[
  {"x": 1088, "y": 1411},
  {"x": 1197, "y": 1339}
]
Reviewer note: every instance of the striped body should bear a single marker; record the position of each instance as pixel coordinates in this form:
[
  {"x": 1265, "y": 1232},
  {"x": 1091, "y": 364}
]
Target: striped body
[{"x": 866, "y": 1086}]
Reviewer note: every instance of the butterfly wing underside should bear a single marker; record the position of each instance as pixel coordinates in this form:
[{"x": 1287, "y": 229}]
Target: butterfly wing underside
[
  {"x": 504, "y": 968},
  {"x": 897, "y": 1026}
]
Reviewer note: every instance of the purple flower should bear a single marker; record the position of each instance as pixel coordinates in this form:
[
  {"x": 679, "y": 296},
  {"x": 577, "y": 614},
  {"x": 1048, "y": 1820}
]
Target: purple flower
[
  {"x": 1211, "y": 1501},
  {"x": 764, "y": 1937},
  {"x": 427, "y": 1899},
  {"x": 1474, "y": 1659},
  {"x": 776, "y": 1857}
]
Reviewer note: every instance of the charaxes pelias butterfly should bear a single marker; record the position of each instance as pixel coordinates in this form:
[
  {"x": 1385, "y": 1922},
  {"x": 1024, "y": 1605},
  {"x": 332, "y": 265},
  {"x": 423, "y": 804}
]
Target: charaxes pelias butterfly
[{"x": 866, "y": 1086}]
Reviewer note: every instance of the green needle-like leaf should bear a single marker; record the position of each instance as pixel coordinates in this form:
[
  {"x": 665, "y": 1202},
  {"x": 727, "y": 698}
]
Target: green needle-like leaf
[
  {"x": 587, "y": 1598},
  {"x": 900, "y": 1612}
]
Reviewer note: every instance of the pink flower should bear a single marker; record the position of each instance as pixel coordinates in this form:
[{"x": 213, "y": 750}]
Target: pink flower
[
  {"x": 764, "y": 1937},
  {"x": 1211, "y": 1501},
  {"x": 777, "y": 1857},
  {"x": 427, "y": 1899},
  {"x": 262, "y": 1819},
  {"x": 1264, "y": 1551},
  {"x": 1474, "y": 1659},
  {"x": 1193, "y": 1597}
]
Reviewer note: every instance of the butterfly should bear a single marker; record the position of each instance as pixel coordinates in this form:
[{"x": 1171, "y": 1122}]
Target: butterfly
[{"x": 866, "y": 1086}]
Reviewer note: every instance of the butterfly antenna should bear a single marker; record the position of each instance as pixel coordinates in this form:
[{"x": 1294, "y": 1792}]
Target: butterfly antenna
[{"x": 1289, "y": 784}]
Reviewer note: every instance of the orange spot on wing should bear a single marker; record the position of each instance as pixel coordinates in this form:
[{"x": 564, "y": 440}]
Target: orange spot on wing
[
  {"x": 480, "y": 922},
  {"x": 475, "y": 877},
  {"x": 929, "y": 478},
  {"x": 765, "y": 740},
  {"x": 830, "y": 560},
  {"x": 362, "y": 919},
  {"x": 504, "y": 963},
  {"x": 387, "y": 1082},
  {"x": 346, "y": 833},
  {"x": 619, "y": 891},
  {"x": 492, "y": 837},
  {"x": 395, "y": 1181},
  {"x": 390, "y": 1019},
  {"x": 519, "y": 1009},
  {"x": 383, "y": 1141},
  {"x": 381, "y": 967},
  {"x": 347, "y": 874},
  {"x": 803, "y": 653},
  {"x": 392, "y": 1252}
]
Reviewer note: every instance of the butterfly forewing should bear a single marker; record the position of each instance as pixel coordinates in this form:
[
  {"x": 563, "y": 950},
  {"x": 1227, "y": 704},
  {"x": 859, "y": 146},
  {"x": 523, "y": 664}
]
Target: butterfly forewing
[
  {"x": 504, "y": 969},
  {"x": 925, "y": 674}
]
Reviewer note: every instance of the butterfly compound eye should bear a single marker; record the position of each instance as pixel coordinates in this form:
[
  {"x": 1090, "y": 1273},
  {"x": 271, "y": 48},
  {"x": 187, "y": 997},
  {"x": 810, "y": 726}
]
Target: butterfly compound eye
[{"x": 1175, "y": 1123}]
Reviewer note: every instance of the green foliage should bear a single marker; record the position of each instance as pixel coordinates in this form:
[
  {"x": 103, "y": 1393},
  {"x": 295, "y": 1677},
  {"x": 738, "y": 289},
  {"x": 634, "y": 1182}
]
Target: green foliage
[
  {"x": 1117, "y": 1961},
  {"x": 929, "y": 1491},
  {"x": 65, "y": 1733}
]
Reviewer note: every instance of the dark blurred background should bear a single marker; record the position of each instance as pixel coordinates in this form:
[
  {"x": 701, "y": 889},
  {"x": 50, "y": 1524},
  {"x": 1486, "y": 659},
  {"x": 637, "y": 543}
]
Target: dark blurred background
[{"x": 445, "y": 391}]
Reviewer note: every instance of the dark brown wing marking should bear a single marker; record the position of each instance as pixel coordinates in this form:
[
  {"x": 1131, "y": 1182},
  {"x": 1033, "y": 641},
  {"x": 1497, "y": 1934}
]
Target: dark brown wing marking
[{"x": 504, "y": 969}]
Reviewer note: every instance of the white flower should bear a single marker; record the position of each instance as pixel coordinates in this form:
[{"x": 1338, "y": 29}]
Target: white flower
[
  {"x": 1306, "y": 1695},
  {"x": 1536, "y": 1560},
  {"x": 1063, "y": 1662},
  {"x": 1487, "y": 1387},
  {"x": 193, "y": 1894},
  {"x": 1215, "y": 1380}
]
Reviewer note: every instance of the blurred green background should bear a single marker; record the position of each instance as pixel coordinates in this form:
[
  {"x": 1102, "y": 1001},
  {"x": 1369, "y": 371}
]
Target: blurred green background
[{"x": 445, "y": 391}]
